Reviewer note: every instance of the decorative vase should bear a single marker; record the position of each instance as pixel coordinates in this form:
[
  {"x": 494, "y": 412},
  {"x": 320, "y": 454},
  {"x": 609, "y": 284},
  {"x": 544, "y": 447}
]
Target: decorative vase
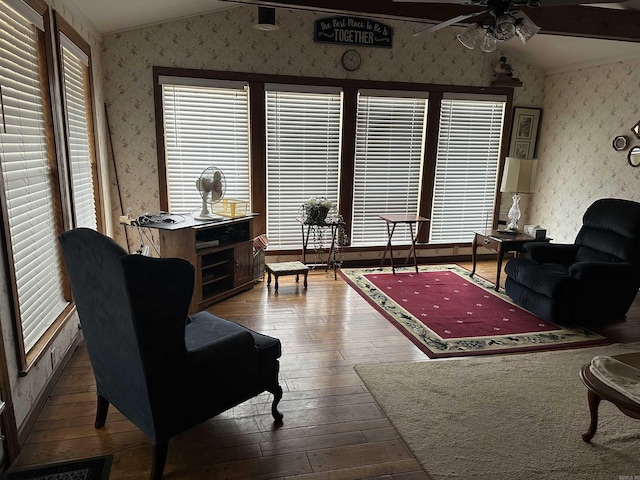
[
  {"x": 315, "y": 214},
  {"x": 514, "y": 213}
]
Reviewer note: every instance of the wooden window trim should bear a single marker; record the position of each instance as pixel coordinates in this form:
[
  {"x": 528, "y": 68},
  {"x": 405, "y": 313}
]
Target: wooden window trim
[
  {"x": 256, "y": 114},
  {"x": 63, "y": 27}
]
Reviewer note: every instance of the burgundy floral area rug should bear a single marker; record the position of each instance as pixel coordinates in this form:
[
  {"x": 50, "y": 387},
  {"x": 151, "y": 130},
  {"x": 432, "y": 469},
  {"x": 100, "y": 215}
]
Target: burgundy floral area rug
[{"x": 446, "y": 313}]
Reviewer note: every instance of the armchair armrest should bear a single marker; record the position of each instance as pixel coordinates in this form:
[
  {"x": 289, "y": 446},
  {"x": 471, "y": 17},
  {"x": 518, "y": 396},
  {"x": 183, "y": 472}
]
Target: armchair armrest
[
  {"x": 236, "y": 350},
  {"x": 550, "y": 252},
  {"x": 623, "y": 272}
]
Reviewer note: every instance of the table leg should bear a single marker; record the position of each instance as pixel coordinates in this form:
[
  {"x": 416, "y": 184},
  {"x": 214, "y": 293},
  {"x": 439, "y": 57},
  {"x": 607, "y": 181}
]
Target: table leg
[
  {"x": 268, "y": 278},
  {"x": 500, "y": 258},
  {"x": 332, "y": 251},
  {"x": 276, "y": 276},
  {"x": 390, "y": 233},
  {"x": 594, "y": 402},
  {"x": 474, "y": 249},
  {"x": 305, "y": 279},
  {"x": 305, "y": 242},
  {"x": 413, "y": 246}
]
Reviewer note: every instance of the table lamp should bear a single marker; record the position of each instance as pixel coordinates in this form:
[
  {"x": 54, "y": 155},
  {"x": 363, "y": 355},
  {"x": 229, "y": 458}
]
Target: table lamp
[{"x": 519, "y": 176}]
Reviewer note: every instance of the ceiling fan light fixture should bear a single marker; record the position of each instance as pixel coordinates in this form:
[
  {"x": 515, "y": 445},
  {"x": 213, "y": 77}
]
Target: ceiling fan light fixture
[
  {"x": 471, "y": 35},
  {"x": 489, "y": 42},
  {"x": 505, "y": 28},
  {"x": 266, "y": 19},
  {"x": 526, "y": 29}
]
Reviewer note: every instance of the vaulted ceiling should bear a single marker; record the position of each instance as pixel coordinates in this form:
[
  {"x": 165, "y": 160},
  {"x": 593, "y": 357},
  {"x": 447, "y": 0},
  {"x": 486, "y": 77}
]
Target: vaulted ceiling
[{"x": 620, "y": 21}]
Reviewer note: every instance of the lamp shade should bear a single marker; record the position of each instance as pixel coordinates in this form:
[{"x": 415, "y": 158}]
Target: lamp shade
[{"x": 519, "y": 175}]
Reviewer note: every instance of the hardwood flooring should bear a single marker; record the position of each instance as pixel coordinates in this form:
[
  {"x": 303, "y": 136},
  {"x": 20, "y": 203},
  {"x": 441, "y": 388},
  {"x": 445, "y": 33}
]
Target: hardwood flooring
[{"x": 332, "y": 428}]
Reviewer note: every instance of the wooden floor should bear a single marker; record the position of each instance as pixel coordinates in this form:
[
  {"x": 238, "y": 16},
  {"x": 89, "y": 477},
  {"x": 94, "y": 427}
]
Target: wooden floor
[{"x": 332, "y": 427}]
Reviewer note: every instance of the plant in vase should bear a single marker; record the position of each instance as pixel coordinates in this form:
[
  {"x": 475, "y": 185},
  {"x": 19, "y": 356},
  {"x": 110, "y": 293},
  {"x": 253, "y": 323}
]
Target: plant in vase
[{"x": 315, "y": 210}]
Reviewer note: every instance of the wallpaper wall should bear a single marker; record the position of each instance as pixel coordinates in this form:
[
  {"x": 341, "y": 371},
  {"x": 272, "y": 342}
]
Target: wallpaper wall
[
  {"x": 26, "y": 390},
  {"x": 583, "y": 111},
  {"x": 225, "y": 41}
]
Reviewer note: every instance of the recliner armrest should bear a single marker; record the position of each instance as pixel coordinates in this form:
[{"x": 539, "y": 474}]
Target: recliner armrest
[
  {"x": 622, "y": 272},
  {"x": 550, "y": 252},
  {"x": 236, "y": 349}
]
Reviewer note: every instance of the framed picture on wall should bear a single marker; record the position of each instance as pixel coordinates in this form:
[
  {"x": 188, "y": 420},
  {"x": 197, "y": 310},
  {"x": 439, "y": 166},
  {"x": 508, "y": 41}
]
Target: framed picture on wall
[{"x": 524, "y": 133}]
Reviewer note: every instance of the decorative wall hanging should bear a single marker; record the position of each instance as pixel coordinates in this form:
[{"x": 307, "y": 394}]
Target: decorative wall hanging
[
  {"x": 634, "y": 157},
  {"x": 353, "y": 31},
  {"x": 620, "y": 143},
  {"x": 524, "y": 132},
  {"x": 636, "y": 130}
]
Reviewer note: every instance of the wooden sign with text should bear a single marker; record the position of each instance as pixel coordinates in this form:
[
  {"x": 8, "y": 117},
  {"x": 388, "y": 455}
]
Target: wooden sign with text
[{"x": 353, "y": 31}]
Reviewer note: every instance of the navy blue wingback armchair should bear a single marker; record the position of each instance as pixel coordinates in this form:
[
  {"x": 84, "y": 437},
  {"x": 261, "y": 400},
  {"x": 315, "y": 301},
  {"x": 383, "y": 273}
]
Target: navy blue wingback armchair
[
  {"x": 164, "y": 371},
  {"x": 592, "y": 281}
]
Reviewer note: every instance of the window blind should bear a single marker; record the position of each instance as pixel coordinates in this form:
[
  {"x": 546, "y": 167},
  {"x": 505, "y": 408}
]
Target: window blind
[
  {"x": 27, "y": 179},
  {"x": 205, "y": 126},
  {"x": 466, "y": 167},
  {"x": 390, "y": 136},
  {"x": 78, "y": 139},
  {"x": 303, "y": 157}
]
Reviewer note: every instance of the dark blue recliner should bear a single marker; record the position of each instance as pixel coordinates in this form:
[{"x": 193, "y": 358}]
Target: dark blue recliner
[
  {"x": 592, "y": 281},
  {"x": 164, "y": 371}
]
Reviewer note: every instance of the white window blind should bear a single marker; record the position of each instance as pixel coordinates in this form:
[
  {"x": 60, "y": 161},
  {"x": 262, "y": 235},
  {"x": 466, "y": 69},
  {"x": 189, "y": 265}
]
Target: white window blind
[
  {"x": 466, "y": 167},
  {"x": 390, "y": 136},
  {"x": 27, "y": 179},
  {"x": 78, "y": 138},
  {"x": 205, "y": 126},
  {"x": 303, "y": 157}
]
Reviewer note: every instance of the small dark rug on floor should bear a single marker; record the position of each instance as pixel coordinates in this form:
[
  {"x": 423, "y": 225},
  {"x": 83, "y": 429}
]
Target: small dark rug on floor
[{"x": 96, "y": 468}]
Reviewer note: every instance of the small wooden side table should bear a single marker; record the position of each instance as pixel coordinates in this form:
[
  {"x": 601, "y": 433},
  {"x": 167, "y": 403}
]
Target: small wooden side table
[
  {"x": 394, "y": 219},
  {"x": 598, "y": 391},
  {"x": 501, "y": 243}
]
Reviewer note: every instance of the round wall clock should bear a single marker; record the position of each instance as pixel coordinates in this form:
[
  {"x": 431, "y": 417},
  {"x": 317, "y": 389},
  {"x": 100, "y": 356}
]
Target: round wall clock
[{"x": 351, "y": 60}]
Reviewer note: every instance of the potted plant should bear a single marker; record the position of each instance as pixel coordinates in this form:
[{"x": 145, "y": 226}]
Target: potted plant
[{"x": 315, "y": 210}]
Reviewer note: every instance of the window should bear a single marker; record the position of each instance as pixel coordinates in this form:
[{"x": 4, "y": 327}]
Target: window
[
  {"x": 390, "y": 138},
  {"x": 303, "y": 139},
  {"x": 467, "y": 162},
  {"x": 206, "y": 123},
  {"x": 77, "y": 101},
  {"x": 30, "y": 186}
]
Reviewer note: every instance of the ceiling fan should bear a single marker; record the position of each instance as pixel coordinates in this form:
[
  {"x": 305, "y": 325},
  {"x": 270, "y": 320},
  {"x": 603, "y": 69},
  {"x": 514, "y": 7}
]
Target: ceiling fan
[{"x": 500, "y": 20}]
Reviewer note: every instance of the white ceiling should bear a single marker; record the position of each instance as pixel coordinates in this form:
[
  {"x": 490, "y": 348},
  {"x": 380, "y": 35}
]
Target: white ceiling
[{"x": 552, "y": 53}]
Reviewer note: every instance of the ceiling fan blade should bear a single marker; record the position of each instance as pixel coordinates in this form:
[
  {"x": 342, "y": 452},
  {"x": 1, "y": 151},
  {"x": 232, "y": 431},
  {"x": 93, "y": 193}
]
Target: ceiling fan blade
[
  {"x": 566, "y": 3},
  {"x": 454, "y": 2},
  {"x": 451, "y": 21}
]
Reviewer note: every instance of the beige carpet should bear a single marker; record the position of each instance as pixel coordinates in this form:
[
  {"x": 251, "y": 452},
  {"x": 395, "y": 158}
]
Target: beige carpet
[{"x": 506, "y": 417}]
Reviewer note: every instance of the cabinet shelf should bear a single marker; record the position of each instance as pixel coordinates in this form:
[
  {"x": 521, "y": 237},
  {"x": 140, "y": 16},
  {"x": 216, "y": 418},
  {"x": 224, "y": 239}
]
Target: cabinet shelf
[{"x": 216, "y": 279}]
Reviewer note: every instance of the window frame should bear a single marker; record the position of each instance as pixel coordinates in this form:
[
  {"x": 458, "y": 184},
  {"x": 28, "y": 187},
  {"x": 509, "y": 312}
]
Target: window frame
[
  {"x": 350, "y": 88},
  {"x": 62, "y": 27},
  {"x": 50, "y": 76}
]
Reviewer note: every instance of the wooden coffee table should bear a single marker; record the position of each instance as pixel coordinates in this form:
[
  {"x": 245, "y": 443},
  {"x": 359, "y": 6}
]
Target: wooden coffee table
[
  {"x": 598, "y": 391},
  {"x": 287, "y": 268}
]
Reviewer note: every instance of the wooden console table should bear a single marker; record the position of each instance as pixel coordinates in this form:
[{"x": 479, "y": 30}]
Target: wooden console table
[
  {"x": 221, "y": 253},
  {"x": 393, "y": 220},
  {"x": 501, "y": 243}
]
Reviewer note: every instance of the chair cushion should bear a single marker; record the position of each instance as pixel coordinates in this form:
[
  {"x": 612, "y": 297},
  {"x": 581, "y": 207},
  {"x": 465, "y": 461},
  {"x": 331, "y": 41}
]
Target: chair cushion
[
  {"x": 204, "y": 326},
  {"x": 548, "y": 279}
]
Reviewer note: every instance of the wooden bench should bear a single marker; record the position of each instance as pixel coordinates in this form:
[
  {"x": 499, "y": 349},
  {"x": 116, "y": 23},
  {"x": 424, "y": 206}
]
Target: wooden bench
[{"x": 287, "y": 268}]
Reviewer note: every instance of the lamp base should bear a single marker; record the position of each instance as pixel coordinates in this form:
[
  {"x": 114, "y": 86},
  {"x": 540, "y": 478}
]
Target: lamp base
[{"x": 514, "y": 214}]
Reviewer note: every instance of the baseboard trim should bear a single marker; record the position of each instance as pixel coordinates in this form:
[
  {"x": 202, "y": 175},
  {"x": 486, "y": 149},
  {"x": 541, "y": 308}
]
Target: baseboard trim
[{"x": 32, "y": 416}]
